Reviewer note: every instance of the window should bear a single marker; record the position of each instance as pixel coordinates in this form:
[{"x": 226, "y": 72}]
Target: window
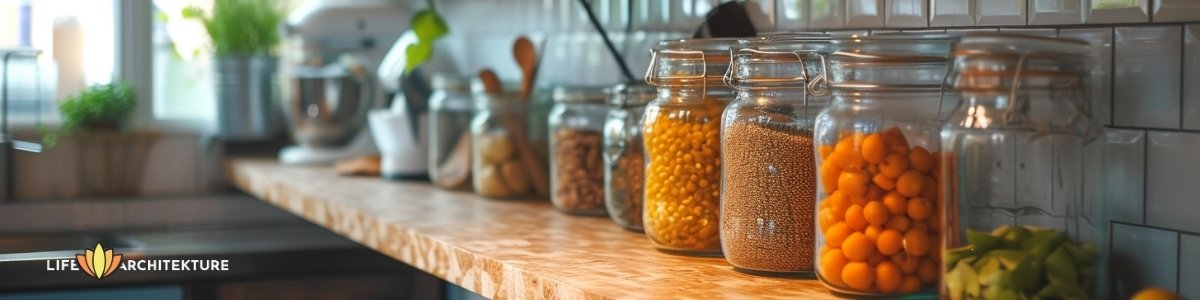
[
  {"x": 183, "y": 81},
  {"x": 77, "y": 40}
]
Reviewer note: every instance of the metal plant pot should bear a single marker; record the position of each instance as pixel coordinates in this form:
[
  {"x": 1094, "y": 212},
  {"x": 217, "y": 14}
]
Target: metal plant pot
[{"x": 246, "y": 92}]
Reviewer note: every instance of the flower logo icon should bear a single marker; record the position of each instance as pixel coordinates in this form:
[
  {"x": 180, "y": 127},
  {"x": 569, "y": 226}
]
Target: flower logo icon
[{"x": 99, "y": 262}]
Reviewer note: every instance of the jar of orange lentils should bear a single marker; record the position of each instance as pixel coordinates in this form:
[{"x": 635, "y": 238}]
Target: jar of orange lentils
[
  {"x": 878, "y": 220},
  {"x": 681, "y": 133}
]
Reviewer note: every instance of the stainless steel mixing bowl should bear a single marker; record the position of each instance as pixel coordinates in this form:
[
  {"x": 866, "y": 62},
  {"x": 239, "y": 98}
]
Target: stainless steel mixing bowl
[{"x": 326, "y": 106}]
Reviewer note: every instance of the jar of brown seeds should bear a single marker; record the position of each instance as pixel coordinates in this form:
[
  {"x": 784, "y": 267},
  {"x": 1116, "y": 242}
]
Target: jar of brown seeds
[
  {"x": 769, "y": 174},
  {"x": 624, "y": 156},
  {"x": 576, "y": 162}
]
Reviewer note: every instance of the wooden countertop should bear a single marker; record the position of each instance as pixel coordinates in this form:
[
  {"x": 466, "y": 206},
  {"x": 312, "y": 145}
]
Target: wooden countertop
[{"x": 502, "y": 249}]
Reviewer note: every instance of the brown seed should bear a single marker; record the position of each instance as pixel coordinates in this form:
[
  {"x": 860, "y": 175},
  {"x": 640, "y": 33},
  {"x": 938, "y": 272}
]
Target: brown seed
[
  {"x": 768, "y": 203},
  {"x": 578, "y": 176}
]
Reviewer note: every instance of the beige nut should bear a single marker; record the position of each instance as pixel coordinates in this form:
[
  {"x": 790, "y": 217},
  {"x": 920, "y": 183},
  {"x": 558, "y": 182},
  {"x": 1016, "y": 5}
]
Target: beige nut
[
  {"x": 489, "y": 183},
  {"x": 515, "y": 177},
  {"x": 496, "y": 148}
]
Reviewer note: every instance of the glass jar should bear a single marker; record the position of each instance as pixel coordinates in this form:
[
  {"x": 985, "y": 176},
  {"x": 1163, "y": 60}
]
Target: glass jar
[
  {"x": 1018, "y": 224},
  {"x": 576, "y": 162},
  {"x": 450, "y": 123},
  {"x": 768, "y": 174},
  {"x": 502, "y": 158},
  {"x": 682, "y": 140},
  {"x": 624, "y": 156},
  {"x": 878, "y": 218}
]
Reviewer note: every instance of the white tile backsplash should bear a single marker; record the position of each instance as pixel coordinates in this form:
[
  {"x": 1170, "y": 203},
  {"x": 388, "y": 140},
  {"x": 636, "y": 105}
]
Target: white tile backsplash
[
  {"x": 1146, "y": 76},
  {"x": 1118, "y": 11},
  {"x": 1144, "y": 257},
  {"x": 1100, "y": 83},
  {"x": 827, "y": 13},
  {"x": 1056, "y": 12},
  {"x": 1041, "y": 32},
  {"x": 1172, "y": 188},
  {"x": 1189, "y": 265},
  {"x": 907, "y": 13},
  {"x": 1176, "y": 11},
  {"x": 864, "y": 13},
  {"x": 1191, "y": 74},
  {"x": 1124, "y": 171},
  {"x": 999, "y": 12},
  {"x": 952, "y": 13},
  {"x": 791, "y": 14}
]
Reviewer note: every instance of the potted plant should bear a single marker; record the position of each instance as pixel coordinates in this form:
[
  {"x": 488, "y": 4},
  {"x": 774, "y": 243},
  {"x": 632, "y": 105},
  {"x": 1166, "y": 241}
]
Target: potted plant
[
  {"x": 110, "y": 160},
  {"x": 243, "y": 33}
]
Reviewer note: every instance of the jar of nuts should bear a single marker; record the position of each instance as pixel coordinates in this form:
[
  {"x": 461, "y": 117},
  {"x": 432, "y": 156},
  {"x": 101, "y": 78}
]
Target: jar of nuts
[
  {"x": 498, "y": 168},
  {"x": 576, "y": 173},
  {"x": 878, "y": 221},
  {"x": 624, "y": 157},
  {"x": 768, "y": 167},
  {"x": 682, "y": 130}
]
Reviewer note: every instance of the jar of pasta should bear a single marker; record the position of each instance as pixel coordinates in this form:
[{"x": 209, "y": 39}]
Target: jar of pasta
[
  {"x": 1019, "y": 224},
  {"x": 878, "y": 181},
  {"x": 681, "y": 134},
  {"x": 576, "y": 169},
  {"x": 624, "y": 156}
]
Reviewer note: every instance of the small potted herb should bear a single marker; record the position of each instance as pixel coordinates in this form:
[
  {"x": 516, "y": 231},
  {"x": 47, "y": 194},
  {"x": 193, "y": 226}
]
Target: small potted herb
[
  {"x": 244, "y": 33},
  {"x": 111, "y": 159}
]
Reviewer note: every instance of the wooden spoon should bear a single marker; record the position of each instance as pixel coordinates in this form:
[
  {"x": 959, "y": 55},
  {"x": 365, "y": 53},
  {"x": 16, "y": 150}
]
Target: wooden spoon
[
  {"x": 527, "y": 59},
  {"x": 491, "y": 82}
]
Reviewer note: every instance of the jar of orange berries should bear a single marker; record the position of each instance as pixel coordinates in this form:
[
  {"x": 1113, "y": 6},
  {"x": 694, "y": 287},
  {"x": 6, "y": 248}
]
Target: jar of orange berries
[
  {"x": 681, "y": 134},
  {"x": 878, "y": 220}
]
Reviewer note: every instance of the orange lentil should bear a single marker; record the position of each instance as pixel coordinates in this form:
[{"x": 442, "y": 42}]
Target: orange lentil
[
  {"x": 916, "y": 242},
  {"x": 836, "y": 235},
  {"x": 920, "y": 159},
  {"x": 858, "y": 247},
  {"x": 853, "y": 183},
  {"x": 889, "y": 242},
  {"x": 883, "y": 182},
  {"x": 910, "y": 183},
  {"x": 858, "y": 275},
  {"x": 910, "y": 284},
  {"x": 873, "y": 232},
  {"x": 908, "y": 264},
  {"x": 873, "y": 149},
  {"x": 876, "y": 213},
  {"x": 832, "y": 264},
  {"x": 927, "y": 271},
  {"x": 899, "y": 223},
  {"x": 855, "y": 218},
  {"x": 896, "y": 203},
  {"x": 893, "y": 165},
  {"x": 919, "y": 208},
  {"x": 888, "y": 277}
]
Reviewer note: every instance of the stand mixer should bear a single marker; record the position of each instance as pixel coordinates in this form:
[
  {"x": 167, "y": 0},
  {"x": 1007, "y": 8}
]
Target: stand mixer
[{"x": 331, "y": 51}]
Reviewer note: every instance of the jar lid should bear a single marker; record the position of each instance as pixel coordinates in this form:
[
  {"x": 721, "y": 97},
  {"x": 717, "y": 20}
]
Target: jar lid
[
  {"x": 443, "y": 81},
  {"x": 691, "y": 62},
  {"x": 1001, "y": 62},
  {"x": 630, "y": 95},
  {"x": 756, "y": 69},
  {"x": 890, "y": 62},
  {"x": 580, "y": 95}
]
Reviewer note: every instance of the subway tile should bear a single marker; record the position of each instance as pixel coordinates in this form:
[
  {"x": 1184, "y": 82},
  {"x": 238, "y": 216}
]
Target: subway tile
[
  {"x": 965, "y": 30},
  {"x": 791, "y": 14},
  {"x": 1189, "y": 265},
  {"x": 864, "y": 13},
  {"x": 1124, "y": 174},
  {"x": 1143, "y": 257},
  {"x": 1100, "y": 83},
  {"x": 1041, "y": 32},
  {"x": 761, "y": 12},
  {"x": 1118, "y": 11},
  {"x": 827, "y": 13},
  {"x": 907, "y": 13},
  {"x": 1191, "y": 73},
  {"x": 884, "y": 31},
  {"x": 1146, "y": 81},
  {"x": 1172, "y": 193},
  {"x": 1176, "y": 10},
  {"x": 1056, "y": 12},
  {"x": 950, "y": 13},
  {"x": 999, "y": 12}
]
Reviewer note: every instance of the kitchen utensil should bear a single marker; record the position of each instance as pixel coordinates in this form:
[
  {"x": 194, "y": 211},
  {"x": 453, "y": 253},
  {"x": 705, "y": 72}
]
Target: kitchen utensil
[
  {"x": 403, "y": 153},
  {"x": 332, "y": 51},
  {"x": 527, "y": 59}
]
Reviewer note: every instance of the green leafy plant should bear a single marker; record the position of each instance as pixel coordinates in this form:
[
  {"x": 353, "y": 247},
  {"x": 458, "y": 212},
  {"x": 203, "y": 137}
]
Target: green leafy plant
[
  {"x": 428, "y": 26},
  {"x": 240, "y": 27},
  {"x": 105, "y": 106}
]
